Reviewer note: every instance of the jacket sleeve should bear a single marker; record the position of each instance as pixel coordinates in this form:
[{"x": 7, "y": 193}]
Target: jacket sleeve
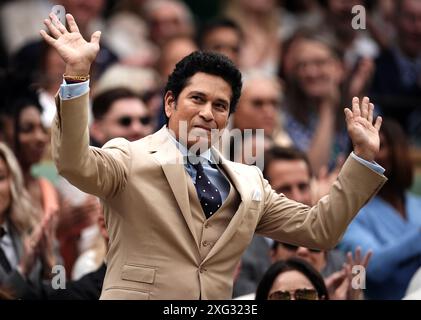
[
  {"x": 99, "y": 171},
  {"x": 322, "y": 225}
]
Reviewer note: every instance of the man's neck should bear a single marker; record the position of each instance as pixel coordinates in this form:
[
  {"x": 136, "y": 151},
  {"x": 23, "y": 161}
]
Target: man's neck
[{"x": 184, "y": 149}]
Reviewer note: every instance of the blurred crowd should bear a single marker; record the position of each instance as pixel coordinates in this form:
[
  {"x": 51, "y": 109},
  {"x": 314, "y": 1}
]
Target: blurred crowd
[{"x": 302, "y": 62}]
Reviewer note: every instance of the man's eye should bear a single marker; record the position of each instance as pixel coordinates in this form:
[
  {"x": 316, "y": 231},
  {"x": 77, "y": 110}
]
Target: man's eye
[{"x": 197, "y": 99}]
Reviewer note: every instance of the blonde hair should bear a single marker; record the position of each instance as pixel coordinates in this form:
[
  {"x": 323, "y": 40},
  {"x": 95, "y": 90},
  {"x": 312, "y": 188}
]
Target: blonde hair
[{"x": 21, "y": 213}]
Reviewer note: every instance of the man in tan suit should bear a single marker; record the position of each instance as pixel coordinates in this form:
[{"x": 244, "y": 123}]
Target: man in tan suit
[{"x": 178, "y": 228}]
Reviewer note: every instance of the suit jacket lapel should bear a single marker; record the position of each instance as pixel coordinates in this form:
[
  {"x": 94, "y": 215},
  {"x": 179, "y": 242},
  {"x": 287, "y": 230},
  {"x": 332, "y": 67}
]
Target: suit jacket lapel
[{"x": 171, "y": 160}]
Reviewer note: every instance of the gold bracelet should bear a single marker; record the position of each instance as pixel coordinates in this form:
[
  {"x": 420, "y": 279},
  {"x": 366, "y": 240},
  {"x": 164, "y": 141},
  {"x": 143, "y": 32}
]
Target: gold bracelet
[{"x": 75, "y": 78}]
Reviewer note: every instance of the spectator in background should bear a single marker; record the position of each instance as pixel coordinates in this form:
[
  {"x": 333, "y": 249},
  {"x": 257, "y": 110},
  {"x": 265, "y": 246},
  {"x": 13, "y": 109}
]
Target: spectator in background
[
  {"x": 260, "y": 21},
  {"x": 390, "y": 224},
  {"x": 355, "y": 43},
  {"x": 47, "y": 80},
  {"x": 128, "y": 34},
  {"x": 144, "y": 82},
  {"x": 224, "y": 36},
  {"x": 259, "y": 107},
  {"x": 396, "y": 86},
  {"x": 173, "y": 50},
  {"x": 119, "y": 113},
  {"x": 30, "y": 141},
  {"x": 293, "y": 279},
  {"x": 20, "y": 224},
  {"x": 87, "y": 287},
  {"x": 168, "y": 19},
  {"x": 332, "y": 265},
  {"x": 314, "y": 97}
]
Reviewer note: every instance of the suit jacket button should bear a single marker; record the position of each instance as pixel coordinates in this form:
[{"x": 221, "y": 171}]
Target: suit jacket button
[
  {"x": 207, "y": 225},
  {"x": 205, "y": 243},
  {"x": 201, "y": 269}
]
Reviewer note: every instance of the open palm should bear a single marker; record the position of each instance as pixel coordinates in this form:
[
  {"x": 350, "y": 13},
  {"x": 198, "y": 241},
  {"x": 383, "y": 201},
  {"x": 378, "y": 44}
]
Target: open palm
[
  {"x": 364, "y": 134},
  {"x": 73, "y": 49}
]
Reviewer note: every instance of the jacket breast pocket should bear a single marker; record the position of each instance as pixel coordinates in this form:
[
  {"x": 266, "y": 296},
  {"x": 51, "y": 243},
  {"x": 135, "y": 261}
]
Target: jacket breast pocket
[{"x": 137, "y": 273}]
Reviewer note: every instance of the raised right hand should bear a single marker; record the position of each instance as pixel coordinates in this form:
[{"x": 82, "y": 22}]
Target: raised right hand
[{"x": 77, "y": 53}]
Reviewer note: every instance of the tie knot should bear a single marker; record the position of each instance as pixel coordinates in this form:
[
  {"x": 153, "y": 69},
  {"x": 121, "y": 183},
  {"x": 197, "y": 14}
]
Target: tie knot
[
  {"x": 198, "y": 166},
  {"x": 196, "y": 163}
]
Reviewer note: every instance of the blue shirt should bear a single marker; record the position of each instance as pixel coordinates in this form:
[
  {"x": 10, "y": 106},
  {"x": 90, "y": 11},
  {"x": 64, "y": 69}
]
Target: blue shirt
[
  {"x": 215, "y": 176},
  {"x": 395, "y": 242}
]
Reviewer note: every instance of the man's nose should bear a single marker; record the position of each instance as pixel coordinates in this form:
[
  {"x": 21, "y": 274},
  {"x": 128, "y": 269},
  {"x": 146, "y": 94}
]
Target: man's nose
[{"x": 206, "y": 112}]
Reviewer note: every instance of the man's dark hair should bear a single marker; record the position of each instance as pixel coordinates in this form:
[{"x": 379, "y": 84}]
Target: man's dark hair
[
  {"x": 101, "y": 103},
  {"x": 284, "y": 153},
  {"x": 292, "y": 264},
  {"x": 207, "y": 62},
  {"x": 214, "y": 24}
]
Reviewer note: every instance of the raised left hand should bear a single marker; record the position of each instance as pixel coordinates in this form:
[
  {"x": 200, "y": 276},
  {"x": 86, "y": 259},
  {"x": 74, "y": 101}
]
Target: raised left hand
[{"x": 364, "y": 134}]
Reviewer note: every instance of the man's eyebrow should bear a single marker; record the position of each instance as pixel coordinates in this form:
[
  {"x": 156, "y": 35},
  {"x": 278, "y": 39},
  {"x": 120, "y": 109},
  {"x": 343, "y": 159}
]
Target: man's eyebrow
[
  {"x": 203, "y": 94},
  {"x": 197, "y": 93}
]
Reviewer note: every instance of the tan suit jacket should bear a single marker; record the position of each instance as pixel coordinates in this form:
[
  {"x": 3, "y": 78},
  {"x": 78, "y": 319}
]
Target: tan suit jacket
[{"x": 161, "y": 245}]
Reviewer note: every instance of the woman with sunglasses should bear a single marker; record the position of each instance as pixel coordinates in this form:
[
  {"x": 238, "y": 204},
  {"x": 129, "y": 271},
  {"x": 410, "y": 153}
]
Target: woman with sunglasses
[
  {"x": 293, "y": 279},
  {"x": 334, "y": 266}
]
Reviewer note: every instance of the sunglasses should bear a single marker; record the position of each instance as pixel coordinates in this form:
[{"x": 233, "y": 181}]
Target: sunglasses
[
  {"x": 295, "y": 248},
  {"x": 299, "y": 294},
  {"x": 127, "y": 121}
]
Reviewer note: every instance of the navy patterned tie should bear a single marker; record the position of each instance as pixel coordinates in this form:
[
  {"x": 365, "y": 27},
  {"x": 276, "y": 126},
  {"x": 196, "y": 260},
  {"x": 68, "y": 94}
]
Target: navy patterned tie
[{"x": 209, "y": 195}]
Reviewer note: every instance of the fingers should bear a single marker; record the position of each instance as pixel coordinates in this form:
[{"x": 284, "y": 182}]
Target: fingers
[
  {"x": 52, "y": 28},
  {"x": 349, "y": 258},
  {"x": 370, "y": 112},
  {"x": 367, "y": 258},
  {"x": 72, "y": 23},
  {"x": 50, "y": 40},
  {"x": 58, "y": 23},
  {"x": 356, "y": 107},
  {"x": 358, "y": 255},
  {"x": 364, "y": 107},
  {"x": 378, "y": 123},
  {"x": 348, "y": 115},
  {"x": 96, "y": 36}
]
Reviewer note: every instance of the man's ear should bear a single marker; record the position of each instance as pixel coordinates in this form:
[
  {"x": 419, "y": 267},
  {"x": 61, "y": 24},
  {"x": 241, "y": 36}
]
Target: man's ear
[{"x": 169, "y": 103}]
